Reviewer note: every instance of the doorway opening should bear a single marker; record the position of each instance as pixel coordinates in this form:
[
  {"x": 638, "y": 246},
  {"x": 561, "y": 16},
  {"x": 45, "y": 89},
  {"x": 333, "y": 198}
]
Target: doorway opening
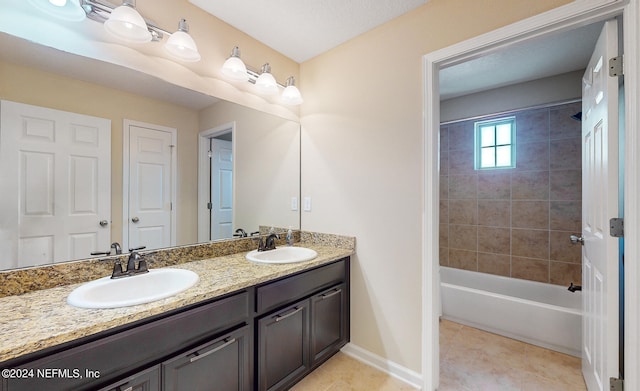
[
  {"x": 216, "y": 182},
  {"x": 570, "y": 17}
]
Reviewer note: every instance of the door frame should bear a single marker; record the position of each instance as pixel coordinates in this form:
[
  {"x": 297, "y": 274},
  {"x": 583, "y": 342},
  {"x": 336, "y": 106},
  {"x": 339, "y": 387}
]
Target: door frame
[
  {"x": 204, "y": 174},
  {"x": 571, "y": 15},
  {"x": 126, "y": 147}
]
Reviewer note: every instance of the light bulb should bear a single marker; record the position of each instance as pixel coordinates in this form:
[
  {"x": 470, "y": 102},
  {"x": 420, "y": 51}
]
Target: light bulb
[
  {"x": 69, "y": 10},
  {"x": 127, "y": 24},
  {"x": 291, "y": 94},
  {"x": 233, "y": 68},
  {"x": 266, "y": 83},
  {"x": 181, "y": 45}
]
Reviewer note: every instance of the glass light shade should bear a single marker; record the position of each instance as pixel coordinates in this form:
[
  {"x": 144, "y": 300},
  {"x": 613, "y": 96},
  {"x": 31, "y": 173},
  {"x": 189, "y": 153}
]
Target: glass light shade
[
  {"x": 266, "y": 84},
  {"x": 234, "y": 67},
  {"x": 69, "y": 10},
  {"x": 181, "y": 46},
  {"x": 291, "y": 96},
  {"x": 125, "y": 23}
]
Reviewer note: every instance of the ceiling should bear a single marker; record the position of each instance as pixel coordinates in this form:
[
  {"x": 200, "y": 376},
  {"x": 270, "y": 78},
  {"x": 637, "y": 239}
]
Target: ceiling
[
  {"x": 549, "y": 55},
  {"x": 303, "y": 29}
]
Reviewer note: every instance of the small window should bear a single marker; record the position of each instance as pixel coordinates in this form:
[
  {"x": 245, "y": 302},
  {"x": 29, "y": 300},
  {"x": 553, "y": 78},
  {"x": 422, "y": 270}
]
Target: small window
[{"x": 495, "y": 143}]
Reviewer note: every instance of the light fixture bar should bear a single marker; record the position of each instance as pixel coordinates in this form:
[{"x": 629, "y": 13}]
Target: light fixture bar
[
  {"x": 266, "y": 84},
  {"x": 253, "y": 76}
]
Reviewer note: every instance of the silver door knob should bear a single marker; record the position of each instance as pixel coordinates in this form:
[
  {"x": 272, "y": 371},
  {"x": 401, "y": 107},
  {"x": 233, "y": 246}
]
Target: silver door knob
[
  {"x": 575, "y": 239},
  {"x": 104, "y": 223},
  {"x": 135, "y": 219}
]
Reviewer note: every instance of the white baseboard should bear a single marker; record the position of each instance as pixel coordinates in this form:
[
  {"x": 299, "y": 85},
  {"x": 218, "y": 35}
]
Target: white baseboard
[{"x": 406, "y": 375}]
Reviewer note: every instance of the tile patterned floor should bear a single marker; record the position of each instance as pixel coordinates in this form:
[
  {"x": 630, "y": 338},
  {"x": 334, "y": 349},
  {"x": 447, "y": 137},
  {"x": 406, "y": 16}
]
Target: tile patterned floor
[
  {"x": 344, "y": 373},
  {"x": 470, "y": 360},
  {"x": 473, "y": 360}
]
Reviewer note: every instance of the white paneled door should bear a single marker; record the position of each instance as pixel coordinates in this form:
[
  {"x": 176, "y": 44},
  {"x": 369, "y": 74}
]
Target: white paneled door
[
  {"x": 151, "y": 181},
  {"x": 221, "y": 189},
  {"x": 55, "y": 176},
  {"x": 599, "y": 204}
]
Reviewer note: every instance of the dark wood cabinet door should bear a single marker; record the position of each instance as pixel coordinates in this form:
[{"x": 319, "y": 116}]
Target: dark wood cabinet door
[
  {"x": 328, "y": 322},
  {"x": 283, "y": 347},
  {"x": 148, "y": 380},
  {"x": 222, "y": 364}
]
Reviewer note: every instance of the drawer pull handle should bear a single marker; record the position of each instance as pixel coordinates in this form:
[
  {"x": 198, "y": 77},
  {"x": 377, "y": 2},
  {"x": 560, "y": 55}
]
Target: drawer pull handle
[
  {"x": 327, "y": 295},
  {"x": 295, "y": 311},
  {"x": 226, "y": 343}
]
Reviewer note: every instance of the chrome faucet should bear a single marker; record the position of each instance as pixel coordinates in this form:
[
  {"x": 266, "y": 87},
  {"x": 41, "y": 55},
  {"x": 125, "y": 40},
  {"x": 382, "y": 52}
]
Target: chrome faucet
[
  {"x": 116, "y": 246},
  {"x": 131, "y": 270},
  {"x": 270, "y": 242},
  {"x": 240, "y": 233}
]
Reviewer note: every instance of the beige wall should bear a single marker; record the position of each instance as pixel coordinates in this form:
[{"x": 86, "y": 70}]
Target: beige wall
[
  {"x": 31, "y": 86},
  {"x": 266, "y": 165},
  {"x": 362, "y": 158}
]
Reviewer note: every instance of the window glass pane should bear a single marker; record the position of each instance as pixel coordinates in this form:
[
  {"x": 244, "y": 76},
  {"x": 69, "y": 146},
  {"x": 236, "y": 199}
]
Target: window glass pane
[
  {"x": 503, "y": 134},
  {"x": 488, "y": 157},
  {"x": 503, "y": 156},
  {"x": 487, "y": 136}
]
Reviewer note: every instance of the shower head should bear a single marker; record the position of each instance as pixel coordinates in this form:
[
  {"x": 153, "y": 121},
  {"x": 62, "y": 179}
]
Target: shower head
[{"x": 577, "y": 116}]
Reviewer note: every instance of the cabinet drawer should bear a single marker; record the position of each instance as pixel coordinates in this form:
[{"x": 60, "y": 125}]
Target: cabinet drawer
[
  {"x": 275, "y": 294},
  {"x": 116, "y": 355},
  {"x": 221, "y": 364}
]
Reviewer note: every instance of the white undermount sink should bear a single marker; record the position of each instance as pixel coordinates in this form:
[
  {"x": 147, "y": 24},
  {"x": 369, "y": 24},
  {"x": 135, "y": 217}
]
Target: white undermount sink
[
  {"x": 137, "y": 289},
  {"x": 282, "y": 255}
]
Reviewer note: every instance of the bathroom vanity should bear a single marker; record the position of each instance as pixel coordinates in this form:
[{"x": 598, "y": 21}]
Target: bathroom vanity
[{"x": 266, "y": 329}]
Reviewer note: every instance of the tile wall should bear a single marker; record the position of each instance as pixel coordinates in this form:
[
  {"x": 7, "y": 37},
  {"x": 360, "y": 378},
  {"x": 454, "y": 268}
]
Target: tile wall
[{"x": 515, "y": 222}]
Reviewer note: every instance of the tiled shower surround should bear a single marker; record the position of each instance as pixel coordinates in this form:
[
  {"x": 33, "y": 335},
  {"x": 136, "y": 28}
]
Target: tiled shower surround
[{"x": 515, "y": 222}]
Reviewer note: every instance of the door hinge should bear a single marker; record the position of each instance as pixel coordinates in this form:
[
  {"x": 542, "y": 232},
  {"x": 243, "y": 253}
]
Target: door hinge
[
  {"x": 209, "y": 205},
  {"x": 616, "y": 384},
  {"x": 209, "y": 154},
  {"x": 616, "y": 67},
  {"x": 616, "y": 227}
]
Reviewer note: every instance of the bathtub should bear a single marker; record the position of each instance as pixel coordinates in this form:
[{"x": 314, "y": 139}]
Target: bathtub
[{"x": 541, "y": 314}]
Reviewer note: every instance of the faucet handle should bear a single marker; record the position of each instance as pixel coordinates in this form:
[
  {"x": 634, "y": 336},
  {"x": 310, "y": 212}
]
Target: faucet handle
[
  {"x": 101, "y": 253},
  {"x": 142, "y": 267},
  {"x": 117, "y": 271}
]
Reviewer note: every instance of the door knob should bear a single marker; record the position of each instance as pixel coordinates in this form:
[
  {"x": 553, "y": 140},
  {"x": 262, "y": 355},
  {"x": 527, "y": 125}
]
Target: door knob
[
  {"x": 104, "y": 223},
  {"x": 575, "y": 239},
  {"x": 135, "y": 219}
]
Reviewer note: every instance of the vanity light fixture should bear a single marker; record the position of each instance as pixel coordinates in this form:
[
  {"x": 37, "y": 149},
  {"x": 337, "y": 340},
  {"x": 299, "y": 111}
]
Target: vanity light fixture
[
  {"x": 235, "y": 69},
  {"x": 126, "y": 23},
  {"x": 266, "y": 83},
  {"x": 181, "y": 45},
  {"x": 291, "y": 94},
  {"x": 69, "y": 10}
]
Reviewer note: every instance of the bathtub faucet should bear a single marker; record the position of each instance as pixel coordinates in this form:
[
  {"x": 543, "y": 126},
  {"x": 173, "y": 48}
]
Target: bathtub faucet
[{"x": 574, "y": 288}]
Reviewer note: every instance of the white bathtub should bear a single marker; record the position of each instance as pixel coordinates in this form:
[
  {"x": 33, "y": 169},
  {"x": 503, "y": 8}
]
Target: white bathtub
[{"x": 541, "y": 314}]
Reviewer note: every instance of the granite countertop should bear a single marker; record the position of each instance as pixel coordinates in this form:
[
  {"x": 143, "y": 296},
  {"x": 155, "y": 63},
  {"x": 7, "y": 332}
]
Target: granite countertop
[{"x": 41, "y": 319}]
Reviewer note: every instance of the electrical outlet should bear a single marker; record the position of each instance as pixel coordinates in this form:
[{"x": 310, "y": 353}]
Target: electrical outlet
[{"x": 307, "y": 204}]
